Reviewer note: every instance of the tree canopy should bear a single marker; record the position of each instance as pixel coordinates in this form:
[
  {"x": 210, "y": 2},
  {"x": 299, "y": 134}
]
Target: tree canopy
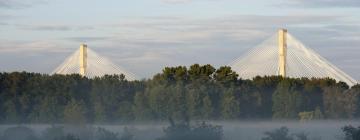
[{"x": 198, "y": 92}]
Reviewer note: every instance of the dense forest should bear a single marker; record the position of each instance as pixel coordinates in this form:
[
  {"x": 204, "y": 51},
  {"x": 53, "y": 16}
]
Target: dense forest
[{"x": 199, "y": 92}]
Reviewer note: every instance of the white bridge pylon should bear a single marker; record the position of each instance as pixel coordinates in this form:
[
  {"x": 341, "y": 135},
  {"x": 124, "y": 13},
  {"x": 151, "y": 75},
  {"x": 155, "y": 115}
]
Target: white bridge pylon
[
  {"x": 88, "y": 63},
  {"x": 284, "y": 55}
]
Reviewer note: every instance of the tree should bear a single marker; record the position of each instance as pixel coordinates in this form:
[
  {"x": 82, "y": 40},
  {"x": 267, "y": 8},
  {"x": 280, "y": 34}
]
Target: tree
[
  {"x": 177, "y": 102},
  {"x": 306, "y": 116},
  {"x": 225, "y": 75},
  {"x": 103, "y": 134},
  {"x": 278, "y": 134},
  {"x": 199, "y": 92},
  {"x": 230, "y": 108},
  {"x": 75, "y": 112},
  {"x": 302, "y": 136},
  {"x": 50, "y": 110},
  {"x": 172, "y": 74},
  {"x": 287, "y": 100},
  {"x": 266, "y": 87},
  {"x": 340, "y": 102},
  {"x": 11, "y": 112},
  {"x": 351, "y": 133},
  {"x": 142, "y": 110},
  {"x": 208, "y": 108},
  {"x": 201, "y": 73},
  {"x": 356, "y": 90},
  {"x": 318, "y": 115}
]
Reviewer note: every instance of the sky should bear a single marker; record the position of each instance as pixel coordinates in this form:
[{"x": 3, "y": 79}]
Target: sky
[{"x": 144, "y": 36}]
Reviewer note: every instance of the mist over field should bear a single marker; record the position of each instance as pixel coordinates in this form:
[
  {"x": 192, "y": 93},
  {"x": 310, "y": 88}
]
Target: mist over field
[{"x": 232, "y": 130}]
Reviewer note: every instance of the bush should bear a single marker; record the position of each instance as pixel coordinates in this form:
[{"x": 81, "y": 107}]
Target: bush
[
  {"x": 283, "y": 134},
  {"x": 278, "y": 134},
  {"x": 351, "y": 133},
  {"x": 103, "y": 134},
  {"x": 301, "y": 136}
]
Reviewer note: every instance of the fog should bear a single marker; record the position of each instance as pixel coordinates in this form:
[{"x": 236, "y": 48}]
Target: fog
[{"x": 235, "y": 130}]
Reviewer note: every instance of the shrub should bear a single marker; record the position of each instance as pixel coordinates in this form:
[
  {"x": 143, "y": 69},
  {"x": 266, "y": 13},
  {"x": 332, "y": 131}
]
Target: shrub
[
  {"x": 278, "y": 134},
  {"x": 103, "y": 134},
  {"x": 351, "y": 133}
]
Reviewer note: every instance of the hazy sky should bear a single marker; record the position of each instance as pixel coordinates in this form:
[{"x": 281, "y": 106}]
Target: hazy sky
[{"x": 143, "y": 36}]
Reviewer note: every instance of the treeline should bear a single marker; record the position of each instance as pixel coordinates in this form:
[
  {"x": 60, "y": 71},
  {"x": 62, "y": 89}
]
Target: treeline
[{"x": 199, "y": 92}]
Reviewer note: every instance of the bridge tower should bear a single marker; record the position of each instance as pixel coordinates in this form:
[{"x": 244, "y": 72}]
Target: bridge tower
[
  {"x": 282, "y": 51},
  {"x": 83, "y": 59}
]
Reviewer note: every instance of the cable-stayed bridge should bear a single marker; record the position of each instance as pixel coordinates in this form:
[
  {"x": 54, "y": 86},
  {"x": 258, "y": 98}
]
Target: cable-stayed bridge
[
  {"x": 88, "y": 63},
  {"x": 282, "y": 54}
]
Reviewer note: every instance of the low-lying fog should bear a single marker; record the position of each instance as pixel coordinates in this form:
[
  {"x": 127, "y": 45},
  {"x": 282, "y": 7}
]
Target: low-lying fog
[{"x": 252, "y": 130}]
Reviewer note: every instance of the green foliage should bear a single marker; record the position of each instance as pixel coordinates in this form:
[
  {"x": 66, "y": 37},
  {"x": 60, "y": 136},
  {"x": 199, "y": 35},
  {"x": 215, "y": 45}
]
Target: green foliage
[
  {"x": 287, "y": 100},
  {"x": 141, "y": 108},
  {"x": 199, "y": 92},
  {"x": 75, "y": 112},
  {"x": 278, "y": 134},
  {"x": 202, "y": 73},
  {"x": 340, "y": 102},
  {"x": 50, "y": 110},
  {"x": 225, "y": 75},
  {"x": 283, "y": 133},
  {"x": 230, "y": 108},
  {"x": 306, "y": 116},
  {"x": 103, "y": 134},
  {"x": 351, "y": 133},
  {"x": 318, "y": 115},
  {"x": 311, "y": 115}
]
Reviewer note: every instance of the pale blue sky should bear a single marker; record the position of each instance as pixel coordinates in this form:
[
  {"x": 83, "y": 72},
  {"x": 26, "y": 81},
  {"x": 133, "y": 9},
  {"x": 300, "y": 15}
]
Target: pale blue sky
[{"x": 143, "y": 36}]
